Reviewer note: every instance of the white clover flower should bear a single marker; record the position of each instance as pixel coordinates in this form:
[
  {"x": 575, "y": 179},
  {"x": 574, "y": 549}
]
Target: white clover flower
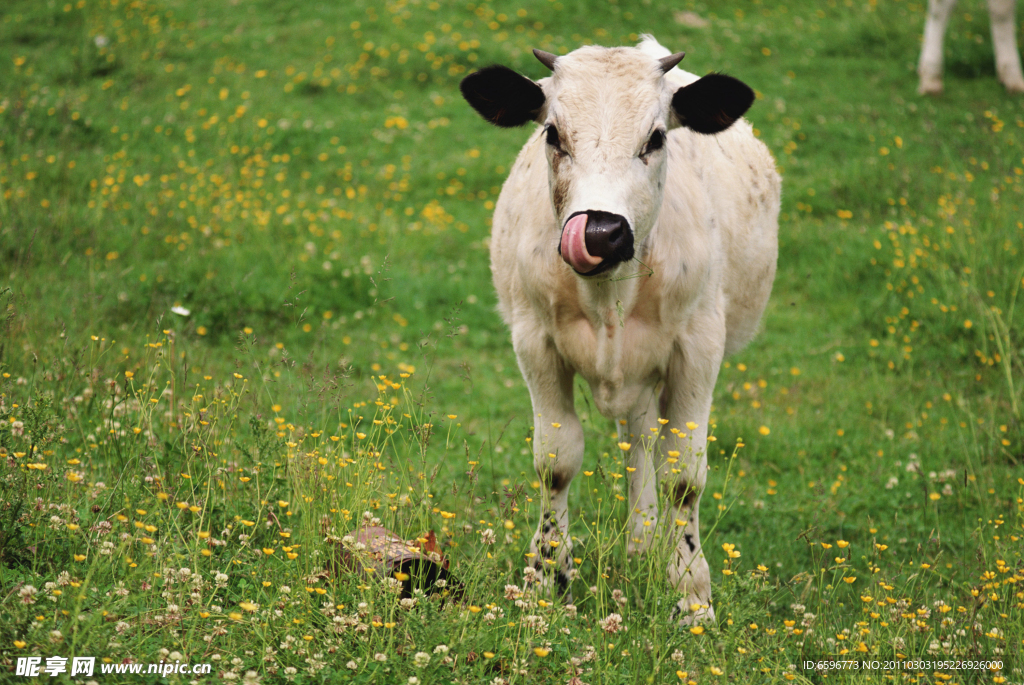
[
  {"x": 421, "y": 659},
  {"x": 611, "y": 624},
  {"x": 28, "y": 594}
]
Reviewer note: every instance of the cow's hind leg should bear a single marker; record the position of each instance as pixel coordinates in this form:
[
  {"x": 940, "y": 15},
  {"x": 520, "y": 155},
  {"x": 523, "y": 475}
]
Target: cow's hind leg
[
  {"x": 557, "y": 456},
  {"x": 929, "y": 68},
  {"x": 690, "y": 383},
  {"x": 1004, "y": 43}
]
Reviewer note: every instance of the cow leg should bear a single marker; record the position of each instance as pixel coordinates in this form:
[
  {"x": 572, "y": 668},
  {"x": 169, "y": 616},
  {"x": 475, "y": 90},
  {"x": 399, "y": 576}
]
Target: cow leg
[
  {"x": 690, "y": 383},
  {"x": 1004, "y": 42},
  {"x": 929, "y": 68},
  {"x": 641, "y": 431},
  {"x": 557, "y": 456}
]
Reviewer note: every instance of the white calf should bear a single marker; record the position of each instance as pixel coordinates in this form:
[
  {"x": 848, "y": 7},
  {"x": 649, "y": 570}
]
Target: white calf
[
  {"x": 652, "y": 257},
  {"x": 1004, "y": 42}
]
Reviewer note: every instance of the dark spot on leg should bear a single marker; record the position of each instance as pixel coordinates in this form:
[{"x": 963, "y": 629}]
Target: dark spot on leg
[
  {"x": 684, "y": 496},
  {"x": 689, "y": 542},
  {"x": 556, "y": 481},
  {"x": 562, "y": 581},
  {"x": 550, "y": 522}
]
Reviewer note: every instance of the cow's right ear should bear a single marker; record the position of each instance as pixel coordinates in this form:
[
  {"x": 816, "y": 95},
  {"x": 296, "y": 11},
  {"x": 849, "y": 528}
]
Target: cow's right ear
[{"x": 502, "y": 96}]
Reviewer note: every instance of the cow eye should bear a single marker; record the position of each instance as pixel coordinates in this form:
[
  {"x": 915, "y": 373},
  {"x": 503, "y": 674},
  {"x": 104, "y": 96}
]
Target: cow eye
[
  {"x": 656, "y": 141},
  {"x": 553, "y": 139}
]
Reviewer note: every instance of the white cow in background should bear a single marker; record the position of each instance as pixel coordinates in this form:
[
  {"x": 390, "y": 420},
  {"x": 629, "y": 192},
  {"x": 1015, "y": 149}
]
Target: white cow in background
[
  {"x": 634, "y": 243},
  {"x": 1004, "y": 42}
]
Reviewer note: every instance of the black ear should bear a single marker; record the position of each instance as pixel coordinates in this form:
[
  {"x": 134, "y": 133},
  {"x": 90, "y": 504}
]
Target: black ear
[
  {"x": 502, "y": 96},
  {"x": 713, "y": 103}
]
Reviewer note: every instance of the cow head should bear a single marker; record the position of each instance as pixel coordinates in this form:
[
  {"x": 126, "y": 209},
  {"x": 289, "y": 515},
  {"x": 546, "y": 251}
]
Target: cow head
[{"x": 605, "y": 113}]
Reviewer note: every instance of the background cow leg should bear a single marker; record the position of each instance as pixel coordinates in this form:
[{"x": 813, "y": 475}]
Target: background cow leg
[
  {"x": 641, "y": 431},
  {"x": 929, "y": 68},
  {"x": 692, "y": 373},
  {"x": 557, "y": 456},
  {"x": 1004, "y": 42}
]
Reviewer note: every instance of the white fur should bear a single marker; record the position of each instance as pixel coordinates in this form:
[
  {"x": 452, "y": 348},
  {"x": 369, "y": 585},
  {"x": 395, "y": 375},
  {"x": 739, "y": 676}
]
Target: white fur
[
  {"x": 656, "y": 327},
  {"x": 1004, "y": 43}
]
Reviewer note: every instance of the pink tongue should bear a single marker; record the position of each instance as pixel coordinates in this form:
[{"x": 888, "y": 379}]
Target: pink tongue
[{"x": 574, "y": 245}]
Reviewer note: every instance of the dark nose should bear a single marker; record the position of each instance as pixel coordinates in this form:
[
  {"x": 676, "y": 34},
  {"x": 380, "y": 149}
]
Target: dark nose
[{"x": 609, "y": 236}]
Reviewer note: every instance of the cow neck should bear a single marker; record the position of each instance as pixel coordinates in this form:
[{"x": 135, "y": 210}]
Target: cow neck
[{"x": 608, "y": 302}]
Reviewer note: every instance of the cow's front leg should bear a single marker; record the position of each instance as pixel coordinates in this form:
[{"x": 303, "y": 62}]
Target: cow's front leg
[
  {"x": 690, "y": 383},
  {"x": 557, "y": 456},
  {"x": 641, "y": 433}
]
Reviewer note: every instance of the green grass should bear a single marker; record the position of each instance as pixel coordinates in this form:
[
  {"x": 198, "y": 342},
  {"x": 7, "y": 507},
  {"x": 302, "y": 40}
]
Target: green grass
[{"x": 306, "y": 181}]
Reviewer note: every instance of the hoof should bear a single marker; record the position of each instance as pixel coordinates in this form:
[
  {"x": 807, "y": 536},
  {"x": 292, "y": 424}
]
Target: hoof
[
  {"x": 687, "y": 616},
  {"x": 1014, "y": 87},
  {"x": 555, "y": 585}
]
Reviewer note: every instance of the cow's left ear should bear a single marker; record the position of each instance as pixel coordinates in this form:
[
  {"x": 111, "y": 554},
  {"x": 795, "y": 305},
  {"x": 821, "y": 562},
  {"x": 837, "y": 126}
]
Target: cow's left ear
[
  {"x": 502, "y": 96},
  {"x": 712, "y": 104}
]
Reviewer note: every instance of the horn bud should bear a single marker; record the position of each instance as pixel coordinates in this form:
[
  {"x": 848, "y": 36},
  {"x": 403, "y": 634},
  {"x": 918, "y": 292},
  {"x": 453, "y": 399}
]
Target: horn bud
[
  {"x": 668, "y": 62},
  {"x": 546, "y": 58}
]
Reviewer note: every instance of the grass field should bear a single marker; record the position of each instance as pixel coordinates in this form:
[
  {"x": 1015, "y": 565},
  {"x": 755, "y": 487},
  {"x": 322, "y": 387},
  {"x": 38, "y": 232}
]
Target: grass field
[{"x": 247, "y": 306}]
